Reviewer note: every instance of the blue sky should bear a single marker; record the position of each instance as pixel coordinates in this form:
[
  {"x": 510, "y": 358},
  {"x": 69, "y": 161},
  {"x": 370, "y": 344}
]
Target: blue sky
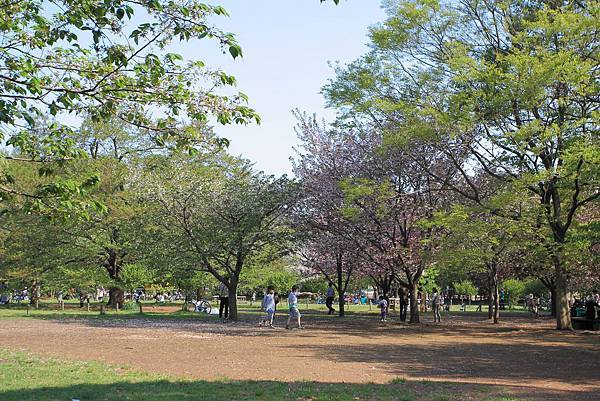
[{"x": 287, "y": 45}]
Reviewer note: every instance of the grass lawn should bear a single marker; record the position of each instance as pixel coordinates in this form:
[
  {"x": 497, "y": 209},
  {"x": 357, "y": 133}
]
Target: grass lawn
[{"x": 25, "y": 377}]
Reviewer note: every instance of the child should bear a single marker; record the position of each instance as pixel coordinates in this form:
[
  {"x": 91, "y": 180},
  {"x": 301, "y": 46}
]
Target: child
[
  {"x": 293, "y": 305},
  {"x": 268, "y": 305},
  {"x": 383, "y": 304}
]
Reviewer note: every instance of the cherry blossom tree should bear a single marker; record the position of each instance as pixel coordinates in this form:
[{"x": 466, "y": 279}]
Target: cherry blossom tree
[{"x": 371, "y": 201}]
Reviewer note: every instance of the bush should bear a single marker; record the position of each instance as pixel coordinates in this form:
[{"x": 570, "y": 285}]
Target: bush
[
  {"x": 130, "y": 305},
  {"x": 514, "y": 290}
]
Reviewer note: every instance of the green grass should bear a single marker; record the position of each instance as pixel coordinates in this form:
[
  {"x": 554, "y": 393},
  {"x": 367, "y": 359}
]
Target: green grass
[
  {"x": 25, "y": 377},
  {"x": 50, "y": 309}
]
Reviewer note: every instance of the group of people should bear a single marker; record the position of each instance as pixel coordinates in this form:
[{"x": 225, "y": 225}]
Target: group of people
[
  {"x": 269, "y": 306},
  {"x": 590, "y": 306},
  {"x": 16, "y": 296},
  {"x": 533, "y": 303}
]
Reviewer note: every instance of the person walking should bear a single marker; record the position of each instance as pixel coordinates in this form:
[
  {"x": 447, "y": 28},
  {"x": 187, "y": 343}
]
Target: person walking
[
  {"x": 268, "y": 306},
  {"x": 435, "y": 306},
  {"x": 223, "y": 301},
  {"x": 403, "y": 298},
  {"x": 330, "y": 298}
]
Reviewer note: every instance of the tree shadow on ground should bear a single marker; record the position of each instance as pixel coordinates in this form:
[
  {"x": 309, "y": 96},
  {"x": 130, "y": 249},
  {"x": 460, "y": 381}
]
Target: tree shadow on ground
[
  {"x": 510, "y": 362},
  {"x": 166, "y": 390}
]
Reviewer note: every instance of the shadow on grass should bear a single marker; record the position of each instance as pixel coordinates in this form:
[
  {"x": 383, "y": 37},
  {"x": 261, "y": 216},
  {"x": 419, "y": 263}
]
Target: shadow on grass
[{"x": 166, "y": 390}]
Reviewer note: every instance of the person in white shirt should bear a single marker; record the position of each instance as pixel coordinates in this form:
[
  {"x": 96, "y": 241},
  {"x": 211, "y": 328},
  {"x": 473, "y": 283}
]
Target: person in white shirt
[
  {"x": 268, "y": 306},
  {"x": 293, "y": 305}
]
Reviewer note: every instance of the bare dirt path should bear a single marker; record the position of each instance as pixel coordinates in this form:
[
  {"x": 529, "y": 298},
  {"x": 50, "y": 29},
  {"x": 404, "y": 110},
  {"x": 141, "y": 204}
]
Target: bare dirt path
[{"x": 526, "y": 355}]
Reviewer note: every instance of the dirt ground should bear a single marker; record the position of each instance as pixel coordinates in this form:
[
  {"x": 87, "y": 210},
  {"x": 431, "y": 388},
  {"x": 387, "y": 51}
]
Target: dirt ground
[{"x": 526, "y": 355}]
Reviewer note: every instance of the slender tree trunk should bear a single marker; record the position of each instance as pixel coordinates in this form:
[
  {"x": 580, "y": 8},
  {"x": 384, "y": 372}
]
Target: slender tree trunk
[
  {"x": 414, "y": 305},
  {"x": 563, "y": 317},
  {"x": 341, "y": 300},
  {"x": 341, "y": 304},
  {"x": 490, "y": 297},
  {"x": 496, "y": 303},
  {"x": 340, "y": 287}
]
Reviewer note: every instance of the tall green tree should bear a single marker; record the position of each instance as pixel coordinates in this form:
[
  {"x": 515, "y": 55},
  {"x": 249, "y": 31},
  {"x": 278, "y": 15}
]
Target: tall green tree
[
  {"x": 507, "y": 90},
  {"x": 107, "y": 61},
  {"x": 214, "y": 214}
]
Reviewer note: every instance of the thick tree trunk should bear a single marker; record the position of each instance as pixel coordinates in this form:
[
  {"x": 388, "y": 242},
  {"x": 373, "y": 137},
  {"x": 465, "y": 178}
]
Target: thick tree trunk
[
  {"x": 116, "y": 297},
  {"x": 414, "y": 306},
  {"x": 34, "y": 296},
  {"x": 563, "y": 317},
  {"x": 232, "y": 292}
]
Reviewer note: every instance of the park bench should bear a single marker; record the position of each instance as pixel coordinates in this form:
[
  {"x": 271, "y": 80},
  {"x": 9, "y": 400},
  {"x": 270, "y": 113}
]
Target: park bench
[{"x": 581, "y": 323}]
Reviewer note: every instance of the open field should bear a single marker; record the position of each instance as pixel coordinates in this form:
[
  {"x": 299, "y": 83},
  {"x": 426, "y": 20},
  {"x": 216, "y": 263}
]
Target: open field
[{"x": 464, "y": 358}]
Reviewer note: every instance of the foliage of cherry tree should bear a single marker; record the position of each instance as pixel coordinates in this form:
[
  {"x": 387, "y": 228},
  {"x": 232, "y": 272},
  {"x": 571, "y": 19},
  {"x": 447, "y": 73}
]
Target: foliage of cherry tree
[{"x": 367, "y": 206}]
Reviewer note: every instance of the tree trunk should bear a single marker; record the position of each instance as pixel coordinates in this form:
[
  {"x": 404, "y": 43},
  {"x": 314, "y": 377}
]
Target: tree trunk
[
  {"x": 490, "y": 299},
  {"x": 232, "y": 292},
  {"x": 493, "y": 294},
  {"x": 34, "y": 293},
  {"x": 341, "y": 304},
  {"x": 496, "y": 302},
  {"x": 414, "y": 306},
  {"x": 563, "y": 317},
  {"x": 340, "y": 287},
  {"x": 116, "y": 297}
]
